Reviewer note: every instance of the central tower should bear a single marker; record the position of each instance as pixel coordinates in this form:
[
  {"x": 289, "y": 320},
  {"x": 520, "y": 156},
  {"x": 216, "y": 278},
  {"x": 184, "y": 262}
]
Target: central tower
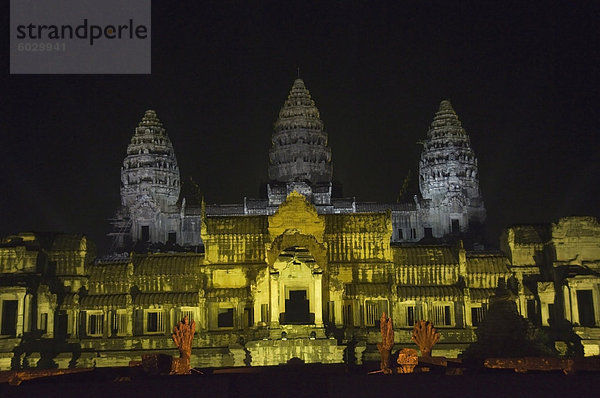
[
  {"x": 449, "y": 176},
  {"x": 299, "y": 158}
]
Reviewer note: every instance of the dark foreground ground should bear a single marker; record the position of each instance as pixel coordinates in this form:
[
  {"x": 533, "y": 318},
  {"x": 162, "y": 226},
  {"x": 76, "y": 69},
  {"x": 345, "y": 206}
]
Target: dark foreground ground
[{"x": 309, "y": 381}]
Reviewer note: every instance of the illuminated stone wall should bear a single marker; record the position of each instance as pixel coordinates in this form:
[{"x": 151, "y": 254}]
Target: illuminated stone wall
[
  {"x": 241, "y": 290},
  {"x": 557, "y": 267}
]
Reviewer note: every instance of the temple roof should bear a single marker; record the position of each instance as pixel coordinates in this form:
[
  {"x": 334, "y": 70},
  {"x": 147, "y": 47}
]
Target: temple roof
[
  {"x": 446, "y": 119},
  {"x": 487, "y": 263},
  {"x": 481, "y": 293},
  {"x": 113, "y": 271},
  {"x": 367, "y": 290},
  {"x": 105, "y": 300},
  {"x": 167, "y": 263},
  {"x": 171, "y": 298},
  {"x": 531, "y": 234},
  {"x": 448, "y": 293},
  {"x": 298, "y": 106},
  {"x": 424, "y": 255},
  {"x": 150, "y": 119}
]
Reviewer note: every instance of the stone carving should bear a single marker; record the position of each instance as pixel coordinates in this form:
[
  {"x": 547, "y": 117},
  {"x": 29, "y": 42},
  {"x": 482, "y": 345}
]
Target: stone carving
[
  {"x": 297, "y": 213},
  {"x": 183, "y": 335},
  {"x": 408, "y": 358},
  {"x": 300, "y": 151},
  {"x": 387, "y": 342},
  {"x": 448, "y": 172},
  {"x": 425, "y": 337},
  {"x": 150, "y": 166}
]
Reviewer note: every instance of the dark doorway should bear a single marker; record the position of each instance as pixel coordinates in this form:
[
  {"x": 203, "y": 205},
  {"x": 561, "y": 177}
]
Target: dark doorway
[
  {"x": 455, "y": 226},
  {"x": 9, "y": 317},
  {"x": 61, "y": 323},
  {"x": 248, "y": 317},
  {"x": 145, "y": 233},
  {"x": 585, "y": 305},
  {"x": 172, "y": 239},
  {"x": 297, "y": 307},
  {"x": 225, "y": 318}
]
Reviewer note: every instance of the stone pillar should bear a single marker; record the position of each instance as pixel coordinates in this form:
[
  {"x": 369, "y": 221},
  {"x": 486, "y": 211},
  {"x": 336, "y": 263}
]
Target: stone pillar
[
  {"x": 274, "y": 288},
  {"x": 339, "y": 317},
  {"x": 27, "y": 314},
  {"x": 547, "y": 294},
  {"x": 596, "y": 297},
  {"x": 467, "y": 316},
  {"x": 574, "y": 305},
  {"x": 21, "y": 315},
  {"x": 107, "y": 323},
  {"x": 318, "y": 280},
  {"x": 567, "y": 303},
  {"x": 202, "y": 323}
]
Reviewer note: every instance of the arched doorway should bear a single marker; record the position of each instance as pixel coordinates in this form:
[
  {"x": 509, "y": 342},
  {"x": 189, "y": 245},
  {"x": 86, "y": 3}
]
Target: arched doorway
[{"x": 296, "y": 288}]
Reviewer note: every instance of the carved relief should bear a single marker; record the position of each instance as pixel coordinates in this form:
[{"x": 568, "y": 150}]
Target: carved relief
[{"x": 296, "y": 214}]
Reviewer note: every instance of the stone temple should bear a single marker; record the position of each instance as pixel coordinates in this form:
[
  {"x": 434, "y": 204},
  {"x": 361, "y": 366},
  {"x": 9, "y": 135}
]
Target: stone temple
[
  {"x": 298, "y": 274},
  {"x": 301, "y": 161}
]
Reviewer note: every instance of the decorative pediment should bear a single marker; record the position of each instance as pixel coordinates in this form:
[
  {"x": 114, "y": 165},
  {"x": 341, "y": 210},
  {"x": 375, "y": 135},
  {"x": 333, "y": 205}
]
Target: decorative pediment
[
  {"x": 296, "y": 214},
  {"x": 296, "y": 239},
  {"x": 145, "y": 208},
  {"x": 455, "y": 202}
]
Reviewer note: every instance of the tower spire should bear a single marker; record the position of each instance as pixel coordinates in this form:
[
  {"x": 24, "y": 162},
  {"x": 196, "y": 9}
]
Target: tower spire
[
  {"x": 449, "y": 175},
  {"x": 299, "y": 151}
]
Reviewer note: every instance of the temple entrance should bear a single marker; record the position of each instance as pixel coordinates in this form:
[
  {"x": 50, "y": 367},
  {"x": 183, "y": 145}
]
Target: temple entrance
[
  {"x": 9, "y": 317},
  {"x": 297, "y": 308},
  {"x": 585, "y": 305},
  {"x": 297, "y": 285}
]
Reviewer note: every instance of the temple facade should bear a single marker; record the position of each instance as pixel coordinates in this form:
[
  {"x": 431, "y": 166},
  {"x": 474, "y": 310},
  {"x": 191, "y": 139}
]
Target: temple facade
[{"x": 298, "y": 274}]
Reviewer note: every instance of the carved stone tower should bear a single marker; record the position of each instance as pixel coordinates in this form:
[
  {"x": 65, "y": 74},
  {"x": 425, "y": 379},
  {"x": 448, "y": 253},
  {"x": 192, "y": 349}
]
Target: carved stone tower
[
  {"x": 149, "y": 187},
  {"x": 448, "y": 175},
  {"x": 299, "y": 158},
  {"x": 150, "y": 167}
]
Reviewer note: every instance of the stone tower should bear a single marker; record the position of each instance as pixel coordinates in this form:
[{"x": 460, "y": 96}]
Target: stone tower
[
  {"x": 448, "y": 175},
  {"x": 149, "y": 187},
  {"x": 299, "y": 158},
  {"x": 150, "y": 167}
]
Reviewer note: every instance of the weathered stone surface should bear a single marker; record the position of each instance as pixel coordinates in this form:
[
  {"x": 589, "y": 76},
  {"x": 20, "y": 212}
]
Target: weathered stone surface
[{"x": 276, "y": 352}]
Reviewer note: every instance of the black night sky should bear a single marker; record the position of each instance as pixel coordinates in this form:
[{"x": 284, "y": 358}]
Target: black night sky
[{"x": 523, "y": 78}]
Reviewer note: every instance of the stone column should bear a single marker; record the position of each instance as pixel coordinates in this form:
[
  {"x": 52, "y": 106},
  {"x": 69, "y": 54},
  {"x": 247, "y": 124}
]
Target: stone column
[
  {"x": 339, "y": 316},
  {"x": 567, "y": 303},
  {"x": 467, "y": 316},
  {"x": 27, "y": 314},
  {"x": 274, "y": 289},
  {"x": 574, "y": 305},
  {"x": 546, "y": 294},
  {"x": 202, "y": 323},
  {"x": 21, "y": 314},
  {"x": 595, "y": 297},
  {"x": 318, "y": 280}
]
